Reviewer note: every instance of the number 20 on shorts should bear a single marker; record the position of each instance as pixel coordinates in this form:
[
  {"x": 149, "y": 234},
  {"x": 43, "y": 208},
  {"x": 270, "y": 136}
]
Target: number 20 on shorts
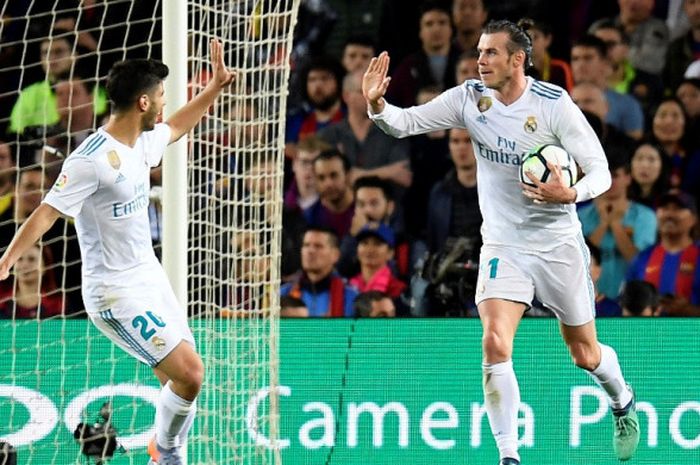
[{"x": 147, "y": 331}]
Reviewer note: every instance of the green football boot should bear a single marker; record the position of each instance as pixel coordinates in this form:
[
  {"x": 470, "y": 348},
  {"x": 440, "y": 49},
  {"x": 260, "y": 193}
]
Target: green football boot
[{"x": 626, "y": 436}]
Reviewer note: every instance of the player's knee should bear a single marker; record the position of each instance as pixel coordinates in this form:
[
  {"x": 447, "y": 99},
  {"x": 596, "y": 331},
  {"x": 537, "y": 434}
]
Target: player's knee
[
  {"x": 192, "y": 377},
  {"x": 584, "y": 355},
  {"x": 496, "y": 347}
]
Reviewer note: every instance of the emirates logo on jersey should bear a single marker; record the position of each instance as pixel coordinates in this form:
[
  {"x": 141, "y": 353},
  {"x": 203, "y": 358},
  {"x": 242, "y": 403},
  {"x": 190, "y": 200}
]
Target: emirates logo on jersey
[
  {"x": 531, "y": 124},
  {"x": 114, "y": 160}
]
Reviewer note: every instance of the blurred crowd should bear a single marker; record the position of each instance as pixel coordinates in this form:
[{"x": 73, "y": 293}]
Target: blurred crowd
[{"x": 375, "y": 226}]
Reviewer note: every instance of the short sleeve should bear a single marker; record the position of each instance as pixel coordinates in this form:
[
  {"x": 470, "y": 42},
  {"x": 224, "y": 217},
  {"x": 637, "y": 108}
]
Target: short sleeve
[
  {"x": 155, "y": 143},
  {"x": 78, "y": 181}
]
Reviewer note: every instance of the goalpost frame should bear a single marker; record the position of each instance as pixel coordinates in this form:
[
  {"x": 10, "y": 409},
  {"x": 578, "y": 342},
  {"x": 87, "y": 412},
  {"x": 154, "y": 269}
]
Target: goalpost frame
[{"x": 174, "y": 200}]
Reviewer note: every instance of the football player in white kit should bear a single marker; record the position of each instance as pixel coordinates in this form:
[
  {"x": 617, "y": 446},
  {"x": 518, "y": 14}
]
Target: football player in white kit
[
  {"x": 532, "y": 240},
  {"x": 104, "y": 185}
]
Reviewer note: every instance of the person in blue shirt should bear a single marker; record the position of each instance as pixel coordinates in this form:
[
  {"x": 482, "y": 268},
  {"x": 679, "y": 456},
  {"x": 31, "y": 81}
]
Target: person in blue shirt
[
  {"x": 317, "y": 284},
  {"x": 619, "y": 227}
]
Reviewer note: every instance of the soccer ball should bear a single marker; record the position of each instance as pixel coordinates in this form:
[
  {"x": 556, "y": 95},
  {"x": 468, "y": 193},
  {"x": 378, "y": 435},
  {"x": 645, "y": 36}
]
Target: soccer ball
[{"x": 535, "y": 161}]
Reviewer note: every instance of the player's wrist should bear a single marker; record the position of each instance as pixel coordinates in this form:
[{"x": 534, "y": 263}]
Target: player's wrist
[
  {"x": 572, "y": 195},
  {"x": 376, "y": 106}
]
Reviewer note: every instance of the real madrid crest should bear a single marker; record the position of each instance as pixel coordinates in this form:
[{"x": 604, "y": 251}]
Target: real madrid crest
[
  {"x": 114, "y": 160},
  {"x": 531, "y": 124},
  {"x": 484, "y": 104},
  {"x": 158, "y": 342}
]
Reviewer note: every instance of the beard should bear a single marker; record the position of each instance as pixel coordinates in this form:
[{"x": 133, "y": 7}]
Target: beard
[{"x": 324, "y": 103}]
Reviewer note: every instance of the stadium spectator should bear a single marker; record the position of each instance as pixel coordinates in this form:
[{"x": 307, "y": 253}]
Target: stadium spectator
[
  {"x": 352, "y": 16},
  {"x": 8, "y": 162},
  {"x": 77, "y": 120},
  {"x": 36, "y": 104},
  {"x": 649, "y": 36},
  {"x": 370, "y": 151},
  {"x": 453, "y": 215},
  {"x": 604, "y": 305},
  {"x": 650, "y": 168},
  {"x": 302, "y": 192},
  {"x": 293, "y": 307},
  {"x": 357, "y": 52},
  {"x": 688, "y": 92},
  {"x": 431, "y": 161},
  {"x": 320, "y": 82},
  {"x": 33, "y": 293},
  {"x": 60, "y": 238},
  {"x": 624, "y": 78},
  {"x": 468, "y": 16},
  {"x": 639, "y": 299},
  {"x": 259, "y": 174},
  {"x": 248, "y": 288},
  {"x": 675, "y": 16},
  {"x": 374, "y": 204},
  {"x": 683, "y": 50},
  {"x": 619, "y": 227},
  {"x": 669, "y": 129},
  {"x": 516, "y": 225},
  {"x": 375, "y": 248},
  {"x": 466, "y": 68},
  {"x": 671, "y": 265},
  {"x": 548, "y": 69},
  {"x": 453, "y": 208},
  {"x": 591, "y": 100},
  {"x": 374, "y": 304},
  {"x": 589, "y": 63},
  {"x": 317, "y": 284},
  {"x": 335, "y": 206},
  {"x": 433, "y": 64}
]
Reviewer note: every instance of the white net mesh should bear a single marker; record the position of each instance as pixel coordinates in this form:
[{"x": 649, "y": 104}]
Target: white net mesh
[
  {"x": 236, "y": 171},
  {"x": 58, "y": 371}
]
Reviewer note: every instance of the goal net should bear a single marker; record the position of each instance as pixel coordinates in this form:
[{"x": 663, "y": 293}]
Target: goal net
[{"x": 56, "y": 369}]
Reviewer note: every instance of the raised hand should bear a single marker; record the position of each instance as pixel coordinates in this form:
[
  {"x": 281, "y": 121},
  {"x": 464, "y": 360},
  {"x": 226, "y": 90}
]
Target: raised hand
[
  {"x": 222, "y": 76},
  {"x": 375, "y": 81}
]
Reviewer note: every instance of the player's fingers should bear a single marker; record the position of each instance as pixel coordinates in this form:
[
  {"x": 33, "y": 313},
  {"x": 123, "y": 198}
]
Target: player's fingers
[
  {"x": 385, "y": 85},
  {"x": 532, "y": 195},
  {"x": 527, "y": 187},
  {"x": 532, "y": 178},
  {"x": 372, "y": 65},
  {"x": 385, "y": 68},
  {"x": 555, "y": 169}
]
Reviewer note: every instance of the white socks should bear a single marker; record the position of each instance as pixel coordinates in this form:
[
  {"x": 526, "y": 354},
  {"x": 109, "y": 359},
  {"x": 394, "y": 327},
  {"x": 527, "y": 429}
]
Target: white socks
[
  {"x": 608, "y": 375},
  {"x": 502, "y": 399},
  {"x": 187, "y": 425},
  {"x": 174, "y": 416}
]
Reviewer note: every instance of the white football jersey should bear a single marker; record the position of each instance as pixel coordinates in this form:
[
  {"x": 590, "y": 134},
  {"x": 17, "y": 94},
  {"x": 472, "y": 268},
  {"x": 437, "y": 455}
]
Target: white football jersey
[
  {"x": 105, "y": 186},
  {"x": 501, "y": 135}
]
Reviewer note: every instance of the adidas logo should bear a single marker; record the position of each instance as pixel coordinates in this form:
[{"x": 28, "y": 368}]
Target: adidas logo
[{"x": 120, "y": 178}]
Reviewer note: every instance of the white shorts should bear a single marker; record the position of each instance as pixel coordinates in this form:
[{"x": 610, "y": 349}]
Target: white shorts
[
  {"x": 145, "y": 320},
  {"x": 560, "y": 279}
]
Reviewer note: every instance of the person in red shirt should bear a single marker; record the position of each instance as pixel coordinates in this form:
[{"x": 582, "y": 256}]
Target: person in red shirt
[
  {"x": 375, "y": 247},
  {"x": 33, "y": 293}
]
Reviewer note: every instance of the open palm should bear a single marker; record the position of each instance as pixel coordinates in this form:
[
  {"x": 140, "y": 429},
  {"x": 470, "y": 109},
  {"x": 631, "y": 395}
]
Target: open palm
[{"x": 375, "y": 80}]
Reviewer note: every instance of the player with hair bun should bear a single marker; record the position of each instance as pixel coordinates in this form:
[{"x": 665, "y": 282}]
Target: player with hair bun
[{"x": 532, "y": 240}]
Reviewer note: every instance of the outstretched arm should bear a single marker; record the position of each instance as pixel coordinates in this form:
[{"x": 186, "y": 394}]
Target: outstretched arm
[
  {"x": 189, "y": 115},
  {"x": 36, "y": 225}
]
